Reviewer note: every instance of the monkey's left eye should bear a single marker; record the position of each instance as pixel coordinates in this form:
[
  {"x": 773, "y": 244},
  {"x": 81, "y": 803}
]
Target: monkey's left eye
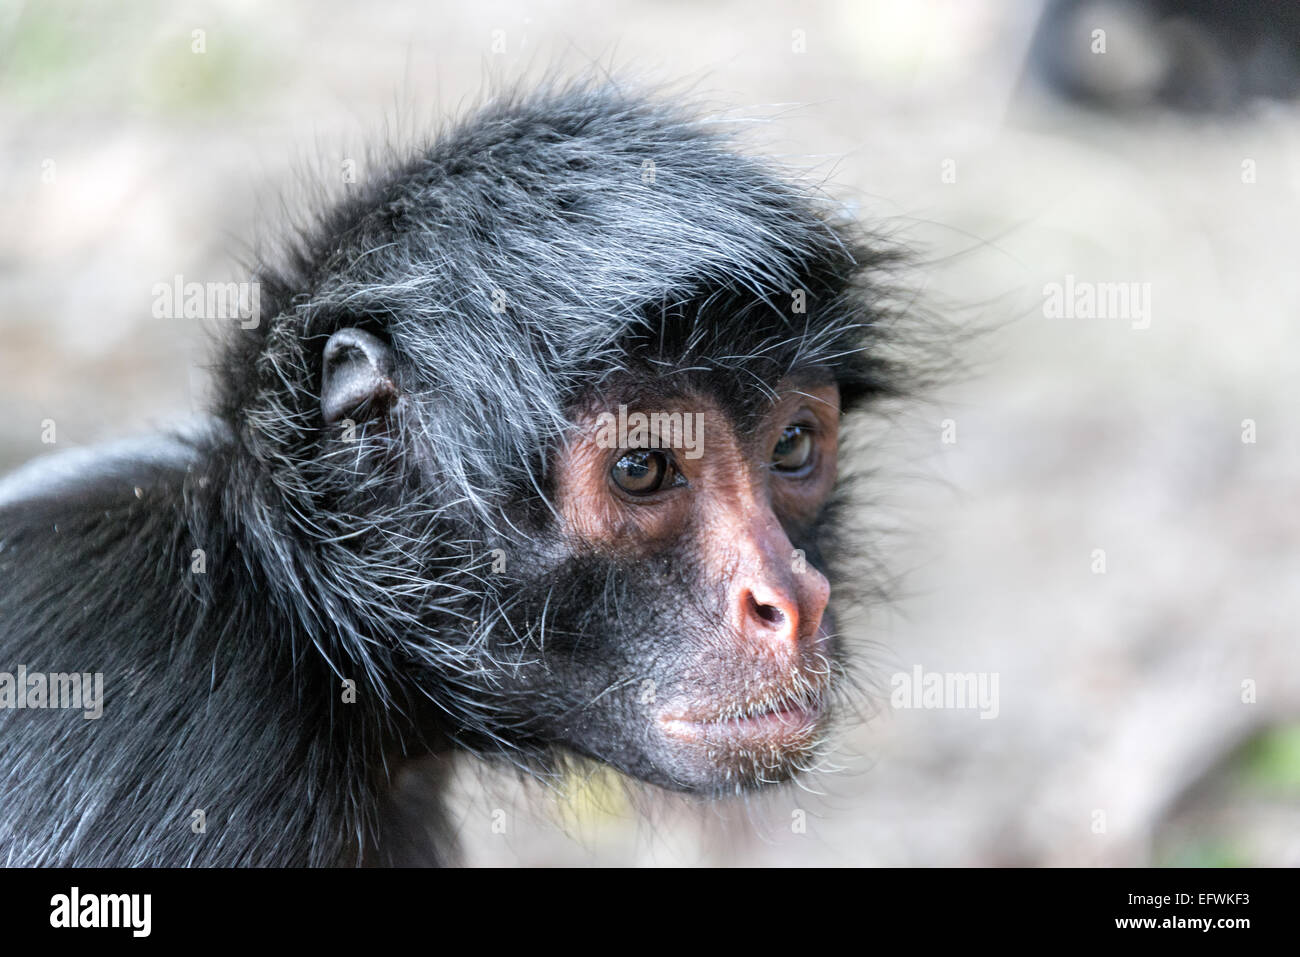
[
  {"x": 793, "y": 450},
  {"x": 642, "y": 471}
]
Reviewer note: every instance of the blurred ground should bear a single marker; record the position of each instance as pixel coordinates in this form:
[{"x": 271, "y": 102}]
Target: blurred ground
[{"x": 1122, "y": 734}]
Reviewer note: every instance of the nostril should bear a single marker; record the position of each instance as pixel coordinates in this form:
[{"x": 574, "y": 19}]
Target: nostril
[{"x": 769, "y": 614}]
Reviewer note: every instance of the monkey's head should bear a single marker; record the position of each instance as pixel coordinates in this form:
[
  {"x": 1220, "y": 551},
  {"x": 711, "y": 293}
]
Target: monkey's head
[{"x": 556, "y": 404}]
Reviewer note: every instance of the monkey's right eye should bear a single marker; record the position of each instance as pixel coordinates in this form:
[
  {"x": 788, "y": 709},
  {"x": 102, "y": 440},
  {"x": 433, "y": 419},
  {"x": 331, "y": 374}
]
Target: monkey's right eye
[{"x": 641, "y": 472}]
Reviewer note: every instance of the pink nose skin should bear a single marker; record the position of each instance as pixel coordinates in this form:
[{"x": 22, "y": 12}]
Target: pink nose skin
[{"x": 780, "y": 615}]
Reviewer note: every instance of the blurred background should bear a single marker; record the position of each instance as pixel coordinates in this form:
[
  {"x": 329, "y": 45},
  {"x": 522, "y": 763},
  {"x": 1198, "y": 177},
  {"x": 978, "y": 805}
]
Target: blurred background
[{"x": 1101, "y": 509}]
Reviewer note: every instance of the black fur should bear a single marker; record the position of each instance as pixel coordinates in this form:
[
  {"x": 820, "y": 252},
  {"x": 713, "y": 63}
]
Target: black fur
[{"x": 371, "y": 560}]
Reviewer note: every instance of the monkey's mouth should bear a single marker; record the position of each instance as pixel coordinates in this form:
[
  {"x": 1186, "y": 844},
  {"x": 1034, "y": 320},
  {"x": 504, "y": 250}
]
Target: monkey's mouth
[{"x": 782, "y": 723}]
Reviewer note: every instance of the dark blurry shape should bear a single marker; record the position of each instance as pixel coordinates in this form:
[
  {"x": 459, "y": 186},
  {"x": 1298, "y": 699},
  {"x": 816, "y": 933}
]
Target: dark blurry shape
[{"x": 1193, "y": 55}]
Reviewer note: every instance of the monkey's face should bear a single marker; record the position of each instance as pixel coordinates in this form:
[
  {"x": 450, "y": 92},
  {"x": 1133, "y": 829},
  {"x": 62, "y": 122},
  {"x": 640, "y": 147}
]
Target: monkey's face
[{"x": 684, "y": 637}]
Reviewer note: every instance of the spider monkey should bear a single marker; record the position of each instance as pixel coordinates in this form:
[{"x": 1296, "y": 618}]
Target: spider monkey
[{"x": 534, "y": 455}]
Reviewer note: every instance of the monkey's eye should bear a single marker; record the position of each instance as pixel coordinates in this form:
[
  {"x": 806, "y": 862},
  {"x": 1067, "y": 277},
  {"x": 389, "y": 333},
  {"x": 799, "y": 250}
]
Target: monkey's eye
[
  {"x": 793, "y": 450},
  {"x": 641, "y": 471}
]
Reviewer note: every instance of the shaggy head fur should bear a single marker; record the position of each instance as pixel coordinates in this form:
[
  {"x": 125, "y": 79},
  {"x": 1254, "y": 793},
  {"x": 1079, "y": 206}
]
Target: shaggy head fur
[{"x": 534, "y": 252}]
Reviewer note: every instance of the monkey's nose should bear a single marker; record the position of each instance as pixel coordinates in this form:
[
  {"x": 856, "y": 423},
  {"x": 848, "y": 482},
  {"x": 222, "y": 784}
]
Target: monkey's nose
[{"x": 780, "y": 617}]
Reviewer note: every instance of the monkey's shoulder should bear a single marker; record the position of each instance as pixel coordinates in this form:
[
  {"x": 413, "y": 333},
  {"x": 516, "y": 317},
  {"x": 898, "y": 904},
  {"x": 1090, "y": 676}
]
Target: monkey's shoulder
[
  {"x": 101, "y": 476},
  {"x": 81, "y": 519}
]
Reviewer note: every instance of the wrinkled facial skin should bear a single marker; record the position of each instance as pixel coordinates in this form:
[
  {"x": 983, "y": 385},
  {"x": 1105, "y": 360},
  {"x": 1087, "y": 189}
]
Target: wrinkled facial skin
[{"x": 684, "y": 636}]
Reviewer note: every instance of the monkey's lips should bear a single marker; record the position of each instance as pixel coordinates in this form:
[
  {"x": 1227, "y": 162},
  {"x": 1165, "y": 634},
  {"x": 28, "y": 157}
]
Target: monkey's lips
[{"x": 786, "y": 723}]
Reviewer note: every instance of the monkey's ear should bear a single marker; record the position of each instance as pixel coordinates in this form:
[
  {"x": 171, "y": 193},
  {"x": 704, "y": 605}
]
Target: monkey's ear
[{"x": 357, "y": 377}]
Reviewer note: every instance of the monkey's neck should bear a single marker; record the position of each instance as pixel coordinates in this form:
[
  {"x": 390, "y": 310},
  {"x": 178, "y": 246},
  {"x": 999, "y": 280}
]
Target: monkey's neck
[{"x": 337, "y": 585}]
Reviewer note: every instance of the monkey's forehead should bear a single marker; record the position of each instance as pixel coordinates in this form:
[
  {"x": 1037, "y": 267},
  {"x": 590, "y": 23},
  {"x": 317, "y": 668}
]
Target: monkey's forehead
[{"x": 738, "y": 395}]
